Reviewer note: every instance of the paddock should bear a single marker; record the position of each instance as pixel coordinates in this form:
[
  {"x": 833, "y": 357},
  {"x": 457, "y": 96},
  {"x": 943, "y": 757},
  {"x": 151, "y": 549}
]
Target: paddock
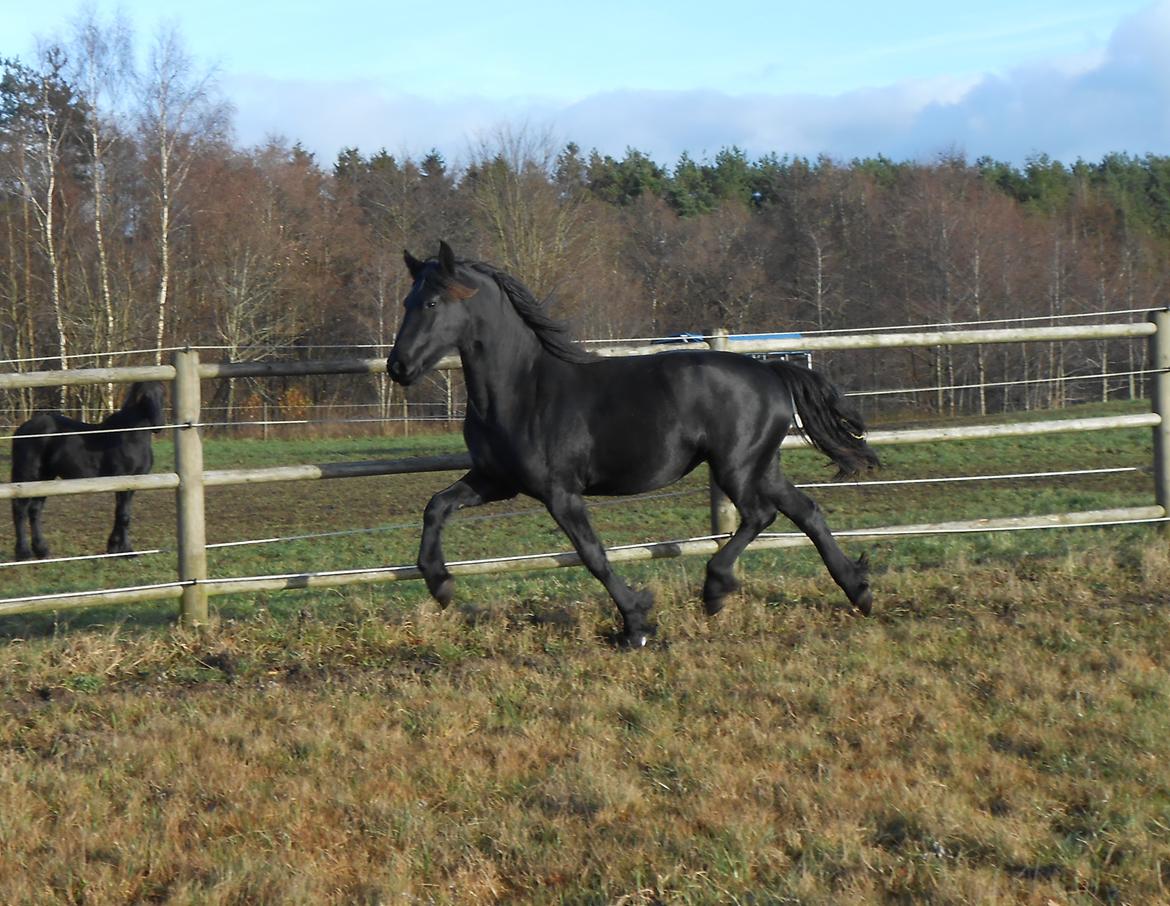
[{"x": 194, "y": 583}]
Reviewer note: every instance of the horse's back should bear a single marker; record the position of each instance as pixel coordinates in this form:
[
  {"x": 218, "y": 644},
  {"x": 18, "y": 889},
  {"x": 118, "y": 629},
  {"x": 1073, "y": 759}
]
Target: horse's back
[
  {"x": 703, "y": 391},
  {"x": 51, "y": 445}
]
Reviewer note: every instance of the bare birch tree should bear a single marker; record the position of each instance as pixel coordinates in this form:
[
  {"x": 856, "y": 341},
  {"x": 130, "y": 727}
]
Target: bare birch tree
[
  {"x": 533, "y": 230},
  {"x": 179, "y": 113},
  {"x": 45, "y": 130},
  {"x": 102, "y": 68}
]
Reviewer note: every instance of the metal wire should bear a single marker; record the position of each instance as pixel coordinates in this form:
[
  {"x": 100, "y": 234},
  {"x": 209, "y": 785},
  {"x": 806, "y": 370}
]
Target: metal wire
[
  {"x": 893, "y": 532},
  {"x": 87, "y": 431},
  {"x": 1022, "y": 383},
  {"x": 971, "y": 530},
  {"x": 83, "y": 557},
  {"x": 937, "y": 325},
  {"x": 520, "y": 558},
  {"x": 596, "y": 504},
  {"x": 67, "y": 595},
  {"x": 615, "y": 341}
]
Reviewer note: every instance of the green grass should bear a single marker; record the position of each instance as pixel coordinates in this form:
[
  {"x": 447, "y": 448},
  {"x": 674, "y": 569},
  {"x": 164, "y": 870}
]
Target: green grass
[
  {"x": 393, "y": 505},
  {"x": 996, "y": 732}
]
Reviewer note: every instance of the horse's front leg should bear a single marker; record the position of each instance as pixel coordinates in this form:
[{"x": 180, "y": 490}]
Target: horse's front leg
[
  {"x": 571, "y": 515},
  {"x": 119, "y": 540},
  {"x": 473, "y": 489}
]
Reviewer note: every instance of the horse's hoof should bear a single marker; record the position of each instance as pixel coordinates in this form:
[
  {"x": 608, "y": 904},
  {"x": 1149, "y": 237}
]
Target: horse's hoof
[
  {"x": 716, "y": 590},
  {"x": 639, "y": 638},
  {"x": 23, "y": 555},
  {"x": 444, "y": 592}
]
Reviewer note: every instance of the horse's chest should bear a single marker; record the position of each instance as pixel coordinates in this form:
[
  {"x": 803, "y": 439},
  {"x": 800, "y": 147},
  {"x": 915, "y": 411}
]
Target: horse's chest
[{"x": 506, "y": 455}]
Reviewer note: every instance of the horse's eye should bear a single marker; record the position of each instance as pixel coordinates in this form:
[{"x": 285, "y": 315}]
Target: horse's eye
[{"x": 430, "y": 303}]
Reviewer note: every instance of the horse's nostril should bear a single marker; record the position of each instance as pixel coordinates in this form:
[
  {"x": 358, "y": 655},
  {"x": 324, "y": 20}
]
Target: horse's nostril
[{"x": 396, "y": 370}]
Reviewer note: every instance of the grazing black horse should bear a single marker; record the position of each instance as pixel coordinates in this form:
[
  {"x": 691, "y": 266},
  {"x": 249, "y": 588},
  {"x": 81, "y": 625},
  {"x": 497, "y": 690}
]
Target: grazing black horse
[
  {"x": 51, "y": 445},
  {"x": 547, "y": 419}
]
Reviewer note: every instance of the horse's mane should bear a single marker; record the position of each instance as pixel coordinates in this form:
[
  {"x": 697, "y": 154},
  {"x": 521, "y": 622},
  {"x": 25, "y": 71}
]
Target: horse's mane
[{"x": 553, "y": 334}]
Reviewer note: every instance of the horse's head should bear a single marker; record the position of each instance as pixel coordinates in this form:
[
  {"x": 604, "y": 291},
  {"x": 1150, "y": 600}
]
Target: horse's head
[
  {"x": 147, "y": 401},
  {"x": 435, "y": 316}
]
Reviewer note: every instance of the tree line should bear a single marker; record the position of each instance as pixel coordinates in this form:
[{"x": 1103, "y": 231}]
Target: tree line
[{"x": 131, "y": 222}]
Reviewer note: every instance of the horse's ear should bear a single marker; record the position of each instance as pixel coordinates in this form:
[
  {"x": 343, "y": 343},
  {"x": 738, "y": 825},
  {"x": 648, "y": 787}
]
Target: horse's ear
[
  {"x": 412, "y": 264},
  {"x": 446, "y": 258},
  {"x": 460, "y": 291}
]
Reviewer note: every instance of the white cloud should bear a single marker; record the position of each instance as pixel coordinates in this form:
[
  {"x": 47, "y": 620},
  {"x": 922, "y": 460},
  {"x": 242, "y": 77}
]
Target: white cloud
[{"x": 1068, "y": 109}]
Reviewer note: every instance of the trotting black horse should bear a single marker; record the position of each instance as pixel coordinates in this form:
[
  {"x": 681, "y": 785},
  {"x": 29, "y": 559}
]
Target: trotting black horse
[
  {"x": 549, "y": 420},
  {"x": 51, "y": 445}
]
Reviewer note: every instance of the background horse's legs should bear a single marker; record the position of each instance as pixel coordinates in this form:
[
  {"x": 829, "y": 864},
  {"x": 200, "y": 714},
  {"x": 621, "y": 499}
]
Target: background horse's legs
[
  {"x": 19, "y": 515},
  {"x": 571, "y": 515},
  {"x": 35, "y": 506},
  {"x": 852, "y": 576},
  {"x": 473, "y": 489},
  {"x": 119, "y": 540}
]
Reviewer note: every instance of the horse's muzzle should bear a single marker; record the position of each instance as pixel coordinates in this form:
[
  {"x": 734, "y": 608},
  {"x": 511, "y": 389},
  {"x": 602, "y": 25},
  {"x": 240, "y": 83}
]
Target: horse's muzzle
[{"x": 397, "y": 371}]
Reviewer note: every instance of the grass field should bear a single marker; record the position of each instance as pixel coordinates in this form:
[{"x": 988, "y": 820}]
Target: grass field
[{"x": 996, "y": 733}]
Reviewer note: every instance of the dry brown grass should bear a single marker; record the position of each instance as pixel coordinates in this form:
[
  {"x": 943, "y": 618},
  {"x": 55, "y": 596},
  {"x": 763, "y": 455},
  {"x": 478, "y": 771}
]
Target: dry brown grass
[{"x": 994, "y": 736}]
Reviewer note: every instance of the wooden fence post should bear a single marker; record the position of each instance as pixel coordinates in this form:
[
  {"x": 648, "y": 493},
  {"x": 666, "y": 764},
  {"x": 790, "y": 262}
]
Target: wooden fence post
[
  {"x": 724, "y": 519},
  {"x": 1160, "y": 398},
  {"x": 192, "y": 532}
]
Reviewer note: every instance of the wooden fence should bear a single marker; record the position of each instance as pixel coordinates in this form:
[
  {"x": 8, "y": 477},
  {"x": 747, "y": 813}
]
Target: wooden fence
[{"x": 189, "y": 479}]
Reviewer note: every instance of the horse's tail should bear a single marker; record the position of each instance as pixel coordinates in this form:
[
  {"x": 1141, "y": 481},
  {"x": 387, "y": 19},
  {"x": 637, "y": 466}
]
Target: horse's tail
[{"x": 826, "y": 420}]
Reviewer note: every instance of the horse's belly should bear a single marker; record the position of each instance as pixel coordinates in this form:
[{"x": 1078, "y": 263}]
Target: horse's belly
[{"x": 647, "y": 473}]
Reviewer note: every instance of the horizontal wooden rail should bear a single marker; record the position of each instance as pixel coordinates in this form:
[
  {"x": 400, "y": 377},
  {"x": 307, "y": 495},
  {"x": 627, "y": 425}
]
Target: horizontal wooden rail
[
  {"x": 656, "y": 550},
  {"x": 209, "y": 370},
  {"x": 1014, "y": 429},
  {"x": 949, "y": 338},
  {"x": 449, "y": 462},
  {"x": 78, "y": 599},
  {"x": 462, "y": 461},
  {"x": 77, "y": 376},
  {"x": 61, "y": 487},
  {"x": 196, "y": 583},
  {"x": 898, "y": 340},
  {"x": 293, "y": 369}
]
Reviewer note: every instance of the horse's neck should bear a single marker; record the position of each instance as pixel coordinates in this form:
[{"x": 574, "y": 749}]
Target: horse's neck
[
  {"x": 499, "y": 366},
  {"x": 127, "y": 417}
]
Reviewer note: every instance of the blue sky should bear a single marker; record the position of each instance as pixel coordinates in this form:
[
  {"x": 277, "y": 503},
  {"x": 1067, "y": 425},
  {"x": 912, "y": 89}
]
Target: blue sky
[{"x": 911, "y": 80}]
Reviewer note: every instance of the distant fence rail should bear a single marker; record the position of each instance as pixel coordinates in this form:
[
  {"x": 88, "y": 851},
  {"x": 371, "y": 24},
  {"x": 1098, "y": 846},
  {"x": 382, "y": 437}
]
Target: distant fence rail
[{"x": 193, "y": 585}]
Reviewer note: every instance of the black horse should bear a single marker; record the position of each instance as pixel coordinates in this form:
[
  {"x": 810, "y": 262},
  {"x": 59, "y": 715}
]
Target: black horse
[
  {"x": 549, "y": 420},
  {"x": 51, "y": 445}
]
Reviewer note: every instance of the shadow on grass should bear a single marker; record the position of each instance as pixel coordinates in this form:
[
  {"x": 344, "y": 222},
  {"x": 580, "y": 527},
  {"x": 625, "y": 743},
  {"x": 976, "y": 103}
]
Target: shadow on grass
[{"x": 133, "y": 619}]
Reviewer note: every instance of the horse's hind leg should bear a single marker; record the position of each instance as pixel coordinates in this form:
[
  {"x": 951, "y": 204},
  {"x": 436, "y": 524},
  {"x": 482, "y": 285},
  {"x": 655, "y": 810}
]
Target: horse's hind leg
[
  {"x": 571, "y": 515},
  {"x": 852, "y": 576},
  {"x": 756, "y": 513},
  {"x": 119, "y": 540},
  {"x": 19, "y": 518},
  {"x": 36, "y": 506}
]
